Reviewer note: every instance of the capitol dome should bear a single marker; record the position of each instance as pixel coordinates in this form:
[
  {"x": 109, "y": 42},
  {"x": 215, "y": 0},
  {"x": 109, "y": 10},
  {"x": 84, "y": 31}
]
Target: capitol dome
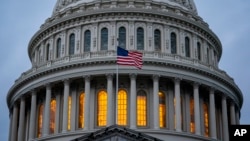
[{"x": 76, "y": 91}]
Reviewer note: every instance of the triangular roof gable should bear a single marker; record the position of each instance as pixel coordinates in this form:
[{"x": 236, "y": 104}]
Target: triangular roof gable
[{"x": 118, "y": 133}]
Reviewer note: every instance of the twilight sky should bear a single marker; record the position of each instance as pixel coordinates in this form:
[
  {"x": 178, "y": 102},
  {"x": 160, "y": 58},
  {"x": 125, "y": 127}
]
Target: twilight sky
[{"x": 229, "y": 19}]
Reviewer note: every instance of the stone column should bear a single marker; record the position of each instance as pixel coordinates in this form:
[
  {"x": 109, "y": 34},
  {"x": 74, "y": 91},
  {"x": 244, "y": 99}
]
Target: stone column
[
  {"x": 156, "y": 101},
  {"x": 65, "y": 106},
  {"x": 197, "y": 114},
  {"x": 32, "y": 125},
  {"x": 212, "y": 117},
  {"x": 110, "y": 99},
  {"x": 73, "y": 115},
  {"x": 21, "y": 120},
  {"x": 132, "y": 101},
  {"x": 58, "y": 109},
  {"x": 177, "y": 104},
  {"x": 224, "y": 119},
  {"x": 14, "y": 123},
  {"x": 232, "y": 113},
  {"x": 87, "y": 103},
  {"x": 237, "y": 116},
  {"x": 47, "y": 111}
]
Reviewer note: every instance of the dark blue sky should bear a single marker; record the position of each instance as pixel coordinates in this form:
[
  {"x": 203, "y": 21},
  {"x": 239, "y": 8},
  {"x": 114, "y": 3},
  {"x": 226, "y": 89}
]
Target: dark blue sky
[{"x": 20, "y": 19}]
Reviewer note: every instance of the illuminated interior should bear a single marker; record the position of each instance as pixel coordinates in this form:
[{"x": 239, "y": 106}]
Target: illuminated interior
[
  {"x": 162, "y": 110},
  {"x": 52, "y": 116},
  {"x": 206, "y": 119},
  {"x": 141, "y": 109},
  {"x": 192, "y": 123},
  {"x": 81, "y": 111},
  {"x": 69, "y": 111},
  {"x": 40, "y": 121},
  {"x": 102, "y": 108},
  {"x": 122, "y": 108}
]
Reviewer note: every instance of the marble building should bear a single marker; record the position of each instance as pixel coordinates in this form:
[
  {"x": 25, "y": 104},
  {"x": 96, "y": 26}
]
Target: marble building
[{"x": 70, "y": 92}]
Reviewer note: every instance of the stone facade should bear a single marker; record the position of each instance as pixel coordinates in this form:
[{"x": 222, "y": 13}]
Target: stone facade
[{"x": 69, "y": 58}]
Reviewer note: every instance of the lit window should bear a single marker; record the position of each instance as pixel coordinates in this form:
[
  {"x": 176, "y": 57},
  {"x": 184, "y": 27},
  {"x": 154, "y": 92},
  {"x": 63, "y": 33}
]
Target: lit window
[
  {"x": 52, "y": 116},
  {"x": 192, "y": 122},
  {"x": 122, "y": 37},
  {"x": 104, "y": 39},
  {"x": 162, "y": 110},
  {"x": 157, "y": 40},
  {"x": 141, "y": 108},
  {"x": 58, "y": 48},
  {"x": 102, "y": 108},
  {"x": 173, "y": 43},
  {"x": 122, "y": 108},
  {"x": 87, "y": 41},
  {"x": 206, "y": 119},
  {"x": 40, "y": 121},
  {"x": 187, "y": 47},
  {"x": 69, "y": 111},
  {"x": 140, "y": 38},
  {"x": 81, "y": 111},
  {"x": 71, "y": 44}
]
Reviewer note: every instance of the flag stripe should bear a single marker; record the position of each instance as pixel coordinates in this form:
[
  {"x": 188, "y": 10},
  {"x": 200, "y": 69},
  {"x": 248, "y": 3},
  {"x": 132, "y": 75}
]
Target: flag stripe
[{"x": 131, "y": 58}]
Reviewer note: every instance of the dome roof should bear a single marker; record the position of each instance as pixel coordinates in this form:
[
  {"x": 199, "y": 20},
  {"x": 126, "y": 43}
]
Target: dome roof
[{"x": 184, "y": 4}]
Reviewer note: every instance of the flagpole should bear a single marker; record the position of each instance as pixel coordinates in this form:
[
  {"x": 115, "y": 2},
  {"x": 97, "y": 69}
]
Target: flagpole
[{"x": 117, "y": 79}]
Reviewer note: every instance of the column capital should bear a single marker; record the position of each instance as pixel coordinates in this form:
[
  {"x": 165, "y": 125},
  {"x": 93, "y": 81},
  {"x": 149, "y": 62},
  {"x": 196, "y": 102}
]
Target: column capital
[
  {"x": 48, "y": 86},
  {"x": 132, "y": 75},
  {"x": 196, "y": 84},
  {"x": 156, "y": 77},
  {"x": 177, "y": 80},
  {"x": 109, "y": 75},
  {"x": 66, "y": 81},
  {"x": 211, "y": 90},
  {"x": 87, "y": 77}
]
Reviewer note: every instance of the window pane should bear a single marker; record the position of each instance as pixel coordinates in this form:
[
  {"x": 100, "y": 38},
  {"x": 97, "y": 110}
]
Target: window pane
[
  {"x": 72, "y": 44},
  {"x": 122, "y": 37},
  {"x": 187, "y": 47},
  {"x": 40, "y": 121},
  {"x": 58, "y": 48},
  {"x": 192, "y": 123},
  {"x": 162, "y": 110},
  {"x": 122, "y": 108},
  {"x": 157, "y": 38},
  {"x": 206, "y": 119},
  {"x": 52, "y": 116},
  {"x": 173, "y": 43},
  {"x": 48, "y": 52},
  {"x": 141, "y": 108},
  {"x": 81, "y": 111},
  {"x": 199, "y": 50},
  {"x": 104, "y": 39},
  {"x": 87, "y": 41},
  {"x": 69, "y": 111},
  {"x": 140, "y": 38},
  {"x": 102, "y": 109}
]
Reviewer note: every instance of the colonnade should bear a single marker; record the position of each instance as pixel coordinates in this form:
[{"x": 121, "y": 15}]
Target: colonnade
[{"x": 19, "y": 113}]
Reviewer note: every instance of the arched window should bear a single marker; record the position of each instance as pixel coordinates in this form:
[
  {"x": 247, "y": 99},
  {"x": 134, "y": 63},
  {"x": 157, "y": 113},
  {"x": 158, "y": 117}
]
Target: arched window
[
  {"x": 140, "y": 38},
  {"x": 48, "y": 52},
  {"x": 162, "y": 110},
  {"x": 52, "y": 116},
  {"x": 104, "y": 39},
  {"x": 58, "y": 48},
  {"x": 141, "y": 108},
  {"x": 81, "y": 110},
  {"x": 102, "y": 103},
  {"x": 122, "y": 37},
  {"x": 69, "y": 112},
  {"x": 72, "y": 44},
  {"x": 173, "y": 43},
  {"x": 199, "y": 50},
  {"x": 157, "y": 39},
  {"x": 87, "y": 41},
  {"x": 187, "y": 47},
  {"x": 40, "y": 121},
  {"x": 192, "y": 122},
  {"x": 122, "y": 107},
  {"x": 206, "y": 118}
]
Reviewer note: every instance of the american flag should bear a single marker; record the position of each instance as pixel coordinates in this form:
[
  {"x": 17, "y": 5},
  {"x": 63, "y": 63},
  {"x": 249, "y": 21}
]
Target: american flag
[{"x": 131, "y": 58}]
